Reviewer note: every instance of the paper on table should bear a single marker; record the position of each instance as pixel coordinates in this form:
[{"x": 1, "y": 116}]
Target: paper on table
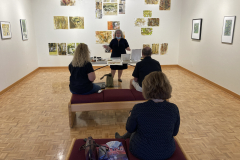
[
  {"x": 136, "y": 54},
  {"x": 125, "y": 57}
]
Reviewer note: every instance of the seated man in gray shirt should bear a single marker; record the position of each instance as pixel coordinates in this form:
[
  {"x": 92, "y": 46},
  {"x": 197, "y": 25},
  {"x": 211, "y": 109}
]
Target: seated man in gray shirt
[{"x": 143, "y": 68}]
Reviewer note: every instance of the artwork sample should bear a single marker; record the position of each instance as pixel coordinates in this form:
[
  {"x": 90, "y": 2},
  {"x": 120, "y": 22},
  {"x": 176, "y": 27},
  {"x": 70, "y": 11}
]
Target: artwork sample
[
  {"x": 52, "y": 47},
  {"x": 164, "y": 48},
  {"x": 121, "y": 8},
  {"x": 155, "y": 48},
  {"x": 196, "y": 29},
  {"x": 5, "y": 30},
  {"x": 62, "y": 49},
  {"x": 113, "y": 0},
  {"x": 103, "y": 37},
  {"x": 228, "y": 29},
  {"x": 60, "y": 22},
  {"x": 153, "y": 21},
  {"x": 23, "y": 24},
  {"x": 147, "y": 13},
  {"x": 146, "y": 45},
  {"x": 76, "y": 22},
  {"x": 67, "y": 2},
  {"x": 71, "y": 48},
  {"x": 146, "y": 31},
  {"x": 151, "y": 1},
  {"x": 113, "y": 25},
  {"x": 98, "y": 11},
  {"x": 140, "y": 22},
  {"x": 165, "y": 5},
  {"x": 106, "y": 0},
  {"x": 110, "y": 8}
]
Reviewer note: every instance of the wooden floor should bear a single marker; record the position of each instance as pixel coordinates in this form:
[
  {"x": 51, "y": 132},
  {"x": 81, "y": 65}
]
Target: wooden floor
[{"x": 34, "y": 117}]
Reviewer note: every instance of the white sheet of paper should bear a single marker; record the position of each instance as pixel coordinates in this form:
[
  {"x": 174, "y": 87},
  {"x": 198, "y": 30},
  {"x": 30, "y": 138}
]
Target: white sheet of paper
[
  {"x": 136, "y": 54},
  {"x": 125, "y": 57}
]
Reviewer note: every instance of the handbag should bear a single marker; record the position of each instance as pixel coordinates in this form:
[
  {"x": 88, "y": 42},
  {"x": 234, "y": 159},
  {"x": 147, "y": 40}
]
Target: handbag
[
  {"x": 90, "y": 149},
  {"x": 109, "y": 80}
]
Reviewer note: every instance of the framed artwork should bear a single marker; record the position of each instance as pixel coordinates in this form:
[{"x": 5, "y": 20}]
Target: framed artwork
[
  {"x": 196, "y": 29},
  {"x": 228, "y": 29},
  {"x": 67, "y": 2},
  {"x": 5, "y": 30},
  {"x": 23, "y": 23}
]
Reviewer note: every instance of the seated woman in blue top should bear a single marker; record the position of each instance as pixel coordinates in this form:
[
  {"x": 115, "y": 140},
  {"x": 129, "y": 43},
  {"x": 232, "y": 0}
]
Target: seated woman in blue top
[
  {"x": 82, "y": 73},
  {"x": 152, "y": 125}
]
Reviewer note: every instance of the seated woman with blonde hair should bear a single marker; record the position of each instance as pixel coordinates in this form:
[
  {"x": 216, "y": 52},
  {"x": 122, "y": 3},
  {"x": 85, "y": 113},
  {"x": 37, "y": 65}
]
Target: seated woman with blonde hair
[
  {"x": 152, "y": 125},
  {"x": 82, "y": 73}
]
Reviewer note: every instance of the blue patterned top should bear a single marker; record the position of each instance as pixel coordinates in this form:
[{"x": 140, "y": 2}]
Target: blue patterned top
[{"x": 154, "y": 125}]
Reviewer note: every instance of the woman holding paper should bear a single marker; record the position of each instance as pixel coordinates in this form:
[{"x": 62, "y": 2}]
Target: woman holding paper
[{"x": 118, "y": 45}]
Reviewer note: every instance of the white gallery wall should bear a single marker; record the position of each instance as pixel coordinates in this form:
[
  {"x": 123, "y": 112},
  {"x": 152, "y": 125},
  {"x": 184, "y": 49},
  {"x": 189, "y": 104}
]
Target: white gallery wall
[
  {"x": 209, "y": 57},
  {"x": 45, "y": 10},
  {"x": 17, "y": 58}
]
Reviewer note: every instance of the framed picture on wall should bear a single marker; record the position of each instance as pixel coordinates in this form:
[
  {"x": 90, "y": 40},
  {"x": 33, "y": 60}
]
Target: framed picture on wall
[
  {"x": 23, "y": 23},
  {"x": 5, "y": 30},
  {"x": 196, "y": 29},
  {"x": 228, "y": 29}
]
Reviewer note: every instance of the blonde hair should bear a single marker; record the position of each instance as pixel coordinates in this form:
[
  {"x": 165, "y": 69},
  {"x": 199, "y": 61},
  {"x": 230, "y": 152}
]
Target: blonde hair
[
  {"x": 122, "y": 35},
  {"x": 156, "y": 86},
  {"x": 81, "y": 55}
]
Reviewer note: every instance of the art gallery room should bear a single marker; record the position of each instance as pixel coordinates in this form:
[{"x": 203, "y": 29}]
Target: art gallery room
[{"x": 188, "y": 107}]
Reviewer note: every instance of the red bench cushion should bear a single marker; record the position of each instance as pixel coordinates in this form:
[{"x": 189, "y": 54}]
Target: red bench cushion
[
  {"x": 177, "y": 155},
  {"x": 137, "y": 95},
  {"x": 114, "y": 95},
  {"x": 80, "y": 155},
  {"x": 96, "y": 97},
  {"x": 108, "y": 95}
]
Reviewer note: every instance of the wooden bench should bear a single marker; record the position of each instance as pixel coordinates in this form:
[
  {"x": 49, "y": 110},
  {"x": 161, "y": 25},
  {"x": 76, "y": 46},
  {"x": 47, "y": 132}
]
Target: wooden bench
[{"x": 109, "y": 99}]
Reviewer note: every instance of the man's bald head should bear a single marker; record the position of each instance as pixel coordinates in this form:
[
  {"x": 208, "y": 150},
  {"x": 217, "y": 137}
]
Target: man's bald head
[{"x": 147, "y": 51}]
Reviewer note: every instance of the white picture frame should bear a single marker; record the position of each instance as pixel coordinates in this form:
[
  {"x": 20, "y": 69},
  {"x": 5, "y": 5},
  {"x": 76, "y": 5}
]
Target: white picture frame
[
  {"x": 228, "y": 29},
  {"x": 196, "y": 29},
  {"x": 23, "y": 23},
  {"x": 5, "y": 28}
]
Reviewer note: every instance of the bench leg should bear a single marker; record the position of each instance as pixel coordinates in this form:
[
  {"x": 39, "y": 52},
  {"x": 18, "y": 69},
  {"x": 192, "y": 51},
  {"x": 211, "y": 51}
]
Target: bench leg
[{"x": 72, "y": 116}]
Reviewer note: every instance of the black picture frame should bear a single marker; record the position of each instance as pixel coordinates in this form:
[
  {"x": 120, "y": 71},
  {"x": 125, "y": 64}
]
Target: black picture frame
[
  {"x": 228, "y": 38},
  {"x": 197, "y": 34}
]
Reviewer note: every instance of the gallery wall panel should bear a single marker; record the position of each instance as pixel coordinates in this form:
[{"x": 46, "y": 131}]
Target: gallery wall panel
[
  {"x": 45, "y": 10},
  {"x": 210, "y": 57},
  {"x": 18, "y": 57}
]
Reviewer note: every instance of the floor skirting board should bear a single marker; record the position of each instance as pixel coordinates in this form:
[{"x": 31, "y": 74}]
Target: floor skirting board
[
  {"x": 212, "y": 83},
  {"x": 17, "y": 82}
]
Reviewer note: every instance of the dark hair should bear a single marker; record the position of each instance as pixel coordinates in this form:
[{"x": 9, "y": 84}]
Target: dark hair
[{"x": 147, "y": 51}]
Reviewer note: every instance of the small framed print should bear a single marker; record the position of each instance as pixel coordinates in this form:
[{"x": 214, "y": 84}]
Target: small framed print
[
  {"x": 23, "y": 23},
  {"x": 196, "y": 29},
  {"x": 5, "y": 30},
  {"x": 228, "y": 29}
]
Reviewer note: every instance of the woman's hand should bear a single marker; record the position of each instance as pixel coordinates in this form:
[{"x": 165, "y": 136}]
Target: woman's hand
[
  {"x": 105, "y": 46},
  {"x": 128, "y": 49}
]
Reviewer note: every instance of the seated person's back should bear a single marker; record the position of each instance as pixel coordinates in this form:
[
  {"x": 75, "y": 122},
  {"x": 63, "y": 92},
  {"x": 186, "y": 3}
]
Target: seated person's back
[
  {"x": 82, "y": 73},
  {"x": 152, "y": 125},
  {"x": 143, "y": 68}
]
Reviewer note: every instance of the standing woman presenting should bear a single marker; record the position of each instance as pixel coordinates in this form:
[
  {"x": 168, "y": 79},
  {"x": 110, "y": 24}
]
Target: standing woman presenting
[{"x": 118, "y": 45}]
